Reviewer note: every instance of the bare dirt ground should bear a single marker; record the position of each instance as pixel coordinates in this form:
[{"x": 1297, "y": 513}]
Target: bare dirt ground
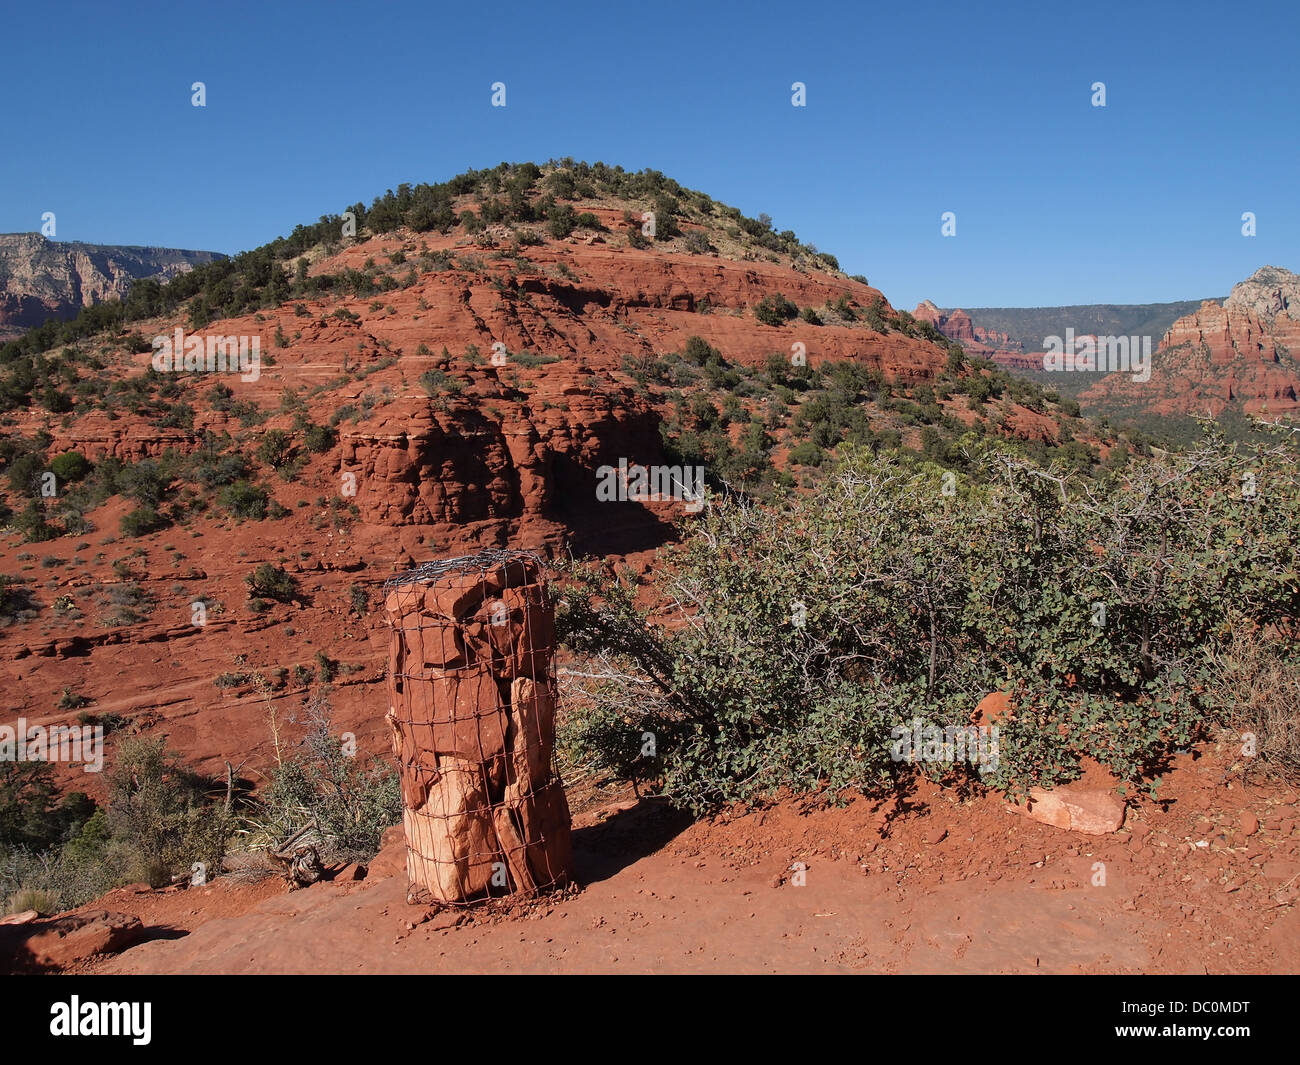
[{"x": 1204, "y": 881}]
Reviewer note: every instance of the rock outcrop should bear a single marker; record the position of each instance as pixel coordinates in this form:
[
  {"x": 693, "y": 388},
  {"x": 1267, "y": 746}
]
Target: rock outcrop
[
  {"x": 958, "y": 325},
  {"x": 1239, "y": 354}
]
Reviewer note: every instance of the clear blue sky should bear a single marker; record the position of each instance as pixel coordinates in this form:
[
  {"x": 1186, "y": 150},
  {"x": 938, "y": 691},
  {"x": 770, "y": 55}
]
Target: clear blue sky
[{"x": 913, "y": 109}]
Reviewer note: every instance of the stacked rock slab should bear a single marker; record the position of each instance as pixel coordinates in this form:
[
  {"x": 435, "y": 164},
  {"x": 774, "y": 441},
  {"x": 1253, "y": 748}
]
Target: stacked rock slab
[{"x": 472, "y": 714}]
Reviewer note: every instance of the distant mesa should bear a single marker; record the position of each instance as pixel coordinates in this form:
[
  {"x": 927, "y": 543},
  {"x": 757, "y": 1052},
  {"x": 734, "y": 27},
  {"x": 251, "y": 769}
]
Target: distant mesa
[
  {"x": 42, "y": 279},
  {"x": 1212, "y": 355},
  {"x": 1241, "y": 353},
  {"x": 959, "y": 326}
]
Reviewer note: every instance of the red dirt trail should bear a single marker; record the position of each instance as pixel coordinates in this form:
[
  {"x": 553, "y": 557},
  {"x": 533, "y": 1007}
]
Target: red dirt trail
[{"x": 928, "y": 883}]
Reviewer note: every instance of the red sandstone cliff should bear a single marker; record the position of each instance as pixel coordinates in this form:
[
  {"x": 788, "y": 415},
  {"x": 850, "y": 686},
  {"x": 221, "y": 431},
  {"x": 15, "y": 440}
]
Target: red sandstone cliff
[
  {"x": 1241, "y": 353},
  {"x": 985, "y": 343}
]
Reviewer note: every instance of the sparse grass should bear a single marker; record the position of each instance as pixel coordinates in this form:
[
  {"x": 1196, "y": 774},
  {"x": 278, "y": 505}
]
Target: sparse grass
[{"x": 1257, "y": 683}]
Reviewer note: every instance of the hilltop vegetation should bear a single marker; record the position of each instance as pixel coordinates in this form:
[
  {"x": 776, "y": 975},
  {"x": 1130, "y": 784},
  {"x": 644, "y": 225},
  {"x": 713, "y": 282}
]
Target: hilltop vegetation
[{"x": 513, "y": 195}]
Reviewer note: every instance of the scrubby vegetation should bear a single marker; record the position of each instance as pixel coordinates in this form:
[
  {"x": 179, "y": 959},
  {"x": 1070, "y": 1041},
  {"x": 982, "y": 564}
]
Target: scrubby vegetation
[
  {"x": 803, "y": 632},
  {"x": 270, "y": 581},
  {"x": 159, "y": 819},
  {"x": 162, "y": 822},
  {"x": 931, "y": 555},
  {"x": 349, "y": 799},
  {"x": 515, "y": 195}
]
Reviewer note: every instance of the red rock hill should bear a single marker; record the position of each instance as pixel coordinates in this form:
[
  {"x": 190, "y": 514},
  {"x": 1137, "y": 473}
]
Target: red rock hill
[{"x": 1241, "y": 353}]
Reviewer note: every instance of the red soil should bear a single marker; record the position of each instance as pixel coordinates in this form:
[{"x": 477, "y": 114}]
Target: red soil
[{"x": 920, "y": 884}]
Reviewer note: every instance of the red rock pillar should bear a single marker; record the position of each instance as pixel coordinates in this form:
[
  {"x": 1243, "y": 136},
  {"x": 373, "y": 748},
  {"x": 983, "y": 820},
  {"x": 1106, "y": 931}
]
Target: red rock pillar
[{"x": 472, "y": 714}]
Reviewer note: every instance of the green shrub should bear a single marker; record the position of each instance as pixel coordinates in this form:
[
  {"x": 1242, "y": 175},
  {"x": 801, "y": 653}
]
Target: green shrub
[
  {"x": 319, "y": 438},
  {"x": 159, "y": 810},
  {"x": 775, "y": 310},
  {"x": 71, "y": 700},
  {"x": 33, "y": 523},
  {"x": 276, "y": 448},
  {"x": 697, "y": 242},
  {"x": 917, "y": 603},
  {"x": 28, "y": 804},
  {"x": 269, "y": 581},
  {"x": 25, "y": 472},
  {"x": 212, "y": 470},
  {"x": 439, "y": 382},
  {"x": 699, "y": 351},
  {"x": 145, "y": 481},
  {"x": 806, "y": 454},
  {"x": 560, "y": 221},
  {"x": 69, "y": 467},
  {"x": 55, "y": 400},
  {"x": 243, "y": 499},
  {"x": 358, "y": 599},
  {"x": 16, "y": 601},
  {"x": 532, "y": 360},
  {"x": 350, "y": 799},
  {"x": 141, "y": 522}
]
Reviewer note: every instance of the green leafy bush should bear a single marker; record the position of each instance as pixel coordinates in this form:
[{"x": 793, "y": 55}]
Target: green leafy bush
[
  {"x": 269, "y": 581},
  {"x": 699, "y": 351},
  {"x": 351, "y": 800},
  {"x": 916, "y": 602},
  {"x": 276, "y": 448},
  {"x": 532, "y": 360},
  {"x": 775, "y": 310},
  {"x": 33, "y": 523},
  {"x": 243, "y": 499},
  {"x": 141, "y": 521},
  {"x": 213, "y": 469},
  {"x": 439, "y": 382},
  {"x": 319, "y": 438},
  {"x": 69, "y": 467},
  {"x": 159, "y": 810},
  {"x": 807, "y": 454}
]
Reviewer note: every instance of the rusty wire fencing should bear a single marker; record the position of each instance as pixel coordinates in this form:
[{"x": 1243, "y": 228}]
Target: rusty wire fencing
[{"x": 472, "y": 714}]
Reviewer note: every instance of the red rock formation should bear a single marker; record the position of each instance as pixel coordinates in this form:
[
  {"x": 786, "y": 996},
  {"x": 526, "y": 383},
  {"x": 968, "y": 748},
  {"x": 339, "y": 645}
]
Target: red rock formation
[
  {"x": 484, "y": 456},
  {"x": 1242, "y": 353},
  {"x": 992, "y": 337},
  {"x": 983, "y": 343},
  {"x": 958, "y": 327}
]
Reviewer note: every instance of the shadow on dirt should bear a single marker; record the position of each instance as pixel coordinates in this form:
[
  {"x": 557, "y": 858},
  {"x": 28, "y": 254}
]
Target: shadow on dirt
[{"x": 601, "y": 851}]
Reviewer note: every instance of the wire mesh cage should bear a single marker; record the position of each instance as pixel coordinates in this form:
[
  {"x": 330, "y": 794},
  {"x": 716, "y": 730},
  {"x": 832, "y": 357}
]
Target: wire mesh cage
[{"x": 472, "y": 715}]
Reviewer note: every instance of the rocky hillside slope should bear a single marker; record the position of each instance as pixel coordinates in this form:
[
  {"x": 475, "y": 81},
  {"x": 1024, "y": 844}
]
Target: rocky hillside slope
[
  {"x": 42, "y": 279},
  {"x": 455, "y": 375}
]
